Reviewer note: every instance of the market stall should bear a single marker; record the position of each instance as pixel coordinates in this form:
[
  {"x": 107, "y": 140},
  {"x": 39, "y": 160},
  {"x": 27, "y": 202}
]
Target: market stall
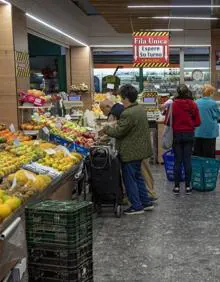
[{"x": 33, "y": 169}]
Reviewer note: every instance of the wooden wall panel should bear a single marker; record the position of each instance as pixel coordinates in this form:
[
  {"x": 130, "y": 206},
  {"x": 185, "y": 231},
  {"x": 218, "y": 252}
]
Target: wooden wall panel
[
  {"x": 82, "y": 71},
  {"x": 8, "y": 100}
]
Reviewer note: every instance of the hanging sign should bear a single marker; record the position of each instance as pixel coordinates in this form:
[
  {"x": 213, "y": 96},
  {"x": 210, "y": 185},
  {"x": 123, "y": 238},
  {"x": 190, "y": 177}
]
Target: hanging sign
[{"x": 151, "y": 49}]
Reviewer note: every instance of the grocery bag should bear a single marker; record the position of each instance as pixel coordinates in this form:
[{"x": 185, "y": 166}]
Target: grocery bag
[{"x": 167, "y": 140}]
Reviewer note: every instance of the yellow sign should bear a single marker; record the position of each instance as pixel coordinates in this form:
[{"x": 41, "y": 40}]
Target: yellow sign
[{"x": 22, "y": 64}]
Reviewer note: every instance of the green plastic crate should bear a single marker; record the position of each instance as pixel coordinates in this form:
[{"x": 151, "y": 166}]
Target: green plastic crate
[
  {"x": 66, "y": 213},
  {"x": 204, "y": 174}
]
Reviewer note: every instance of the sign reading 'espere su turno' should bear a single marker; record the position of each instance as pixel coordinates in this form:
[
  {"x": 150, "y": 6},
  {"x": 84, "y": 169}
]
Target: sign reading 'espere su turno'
[{"x": 151, "y": 49}]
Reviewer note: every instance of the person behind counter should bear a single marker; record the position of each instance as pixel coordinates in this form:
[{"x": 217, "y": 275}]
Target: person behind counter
[
  {"x": 132, "y": 130},
  {"x": 185, "y": 119},
  {"x": 111, "y": 110},
  {"x": 208, "y": 131}
]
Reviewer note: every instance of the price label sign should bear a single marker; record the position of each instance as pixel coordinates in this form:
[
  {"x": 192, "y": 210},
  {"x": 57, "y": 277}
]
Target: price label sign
[
  {"x": 111, "y": 86},
  {"x": 12, "y": 128},
  {"x": 16, "y": 142},
  {"x": 46, "y": 130},
  {"x": 151, "y": 49},
  {"x": 50, "y": 151}
]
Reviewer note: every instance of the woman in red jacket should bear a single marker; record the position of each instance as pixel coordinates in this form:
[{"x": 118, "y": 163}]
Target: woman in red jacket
[{"x": 185, "y": 119}]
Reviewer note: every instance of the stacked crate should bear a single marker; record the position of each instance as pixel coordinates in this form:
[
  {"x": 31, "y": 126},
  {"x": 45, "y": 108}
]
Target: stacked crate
[{"x": 59, "y": 241}]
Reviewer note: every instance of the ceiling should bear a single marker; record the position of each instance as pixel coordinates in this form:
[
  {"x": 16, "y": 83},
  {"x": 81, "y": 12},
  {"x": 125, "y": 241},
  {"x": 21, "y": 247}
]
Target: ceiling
[{"x": 125, "y": 20}]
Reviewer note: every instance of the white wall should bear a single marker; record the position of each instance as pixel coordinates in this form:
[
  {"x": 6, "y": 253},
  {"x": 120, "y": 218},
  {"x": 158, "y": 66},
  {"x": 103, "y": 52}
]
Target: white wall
[{"x": 60, "y": 13}]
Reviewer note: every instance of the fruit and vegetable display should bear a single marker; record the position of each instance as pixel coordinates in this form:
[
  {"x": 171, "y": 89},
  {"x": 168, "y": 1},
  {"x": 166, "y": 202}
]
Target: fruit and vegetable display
[
  {"x": 96, "y": 110},
  {"x": 60, "y": 160},
  {"x": 31, "y": 125},
  {"x": 17, "y": 188},
  {"x": 27, "y": 168},
  {"x": 99, "y": 97},
  {"x": 35, "y": 97},
  {"x": 82, "y": 87},
  {"x": 9, "y": 137}
]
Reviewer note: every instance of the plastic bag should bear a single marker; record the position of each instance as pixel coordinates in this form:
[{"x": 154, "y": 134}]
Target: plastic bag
[
  {"x": 89, "y": 119},
  {"x": 167, "y": 140}
]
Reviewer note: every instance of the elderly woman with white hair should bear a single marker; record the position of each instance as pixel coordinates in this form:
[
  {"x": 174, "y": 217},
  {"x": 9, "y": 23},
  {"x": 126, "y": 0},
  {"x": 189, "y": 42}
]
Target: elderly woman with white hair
[{"x": 208, "y": 131}]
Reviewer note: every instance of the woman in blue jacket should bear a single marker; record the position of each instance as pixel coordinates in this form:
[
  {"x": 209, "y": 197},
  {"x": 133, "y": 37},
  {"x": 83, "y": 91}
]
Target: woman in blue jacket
[{"x": 208, "y": 131}]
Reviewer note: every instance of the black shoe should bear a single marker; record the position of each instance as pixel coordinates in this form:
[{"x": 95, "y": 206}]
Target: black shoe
[
  {"x": 131, "y": 211},
  {"x": 176, "y": 190},
  {"x": 149, "y": 207},
  {"x": 188, "y": 190}
]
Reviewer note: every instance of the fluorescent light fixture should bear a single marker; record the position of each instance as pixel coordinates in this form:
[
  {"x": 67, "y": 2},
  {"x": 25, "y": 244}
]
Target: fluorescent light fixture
[
  {"x": 163, "y": 29},
  {"x": 55, "y": 29},
  {"x": 130, "y": 45},
  {"x": 5, "y": 2},
  {"x": 171, "y": 6},
  {"x": 110, "y": 46},
  {"x": 200, "y": 68},
  {"x": 191, "y": 45},
  {"x": 183, "y": 18}
]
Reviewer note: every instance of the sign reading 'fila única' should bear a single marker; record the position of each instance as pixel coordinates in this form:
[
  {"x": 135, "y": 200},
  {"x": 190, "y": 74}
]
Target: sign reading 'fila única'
[{"x": 151, "y": 49}]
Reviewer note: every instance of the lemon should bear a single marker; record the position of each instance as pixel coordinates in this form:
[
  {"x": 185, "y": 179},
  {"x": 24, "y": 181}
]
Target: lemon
[
  {"x": 2, "y": 193},
  {"x": 5, "y": 211},
  {"x": 13, "y": 203}
]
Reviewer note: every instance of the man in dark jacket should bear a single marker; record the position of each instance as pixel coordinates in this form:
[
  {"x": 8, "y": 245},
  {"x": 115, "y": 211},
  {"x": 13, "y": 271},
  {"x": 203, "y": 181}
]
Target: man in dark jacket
[{"x": 133, "y": 133}]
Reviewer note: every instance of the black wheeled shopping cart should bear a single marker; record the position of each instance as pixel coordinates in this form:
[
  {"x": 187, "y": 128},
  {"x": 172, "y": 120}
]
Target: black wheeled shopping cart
[{"x": 105, "y": 179}]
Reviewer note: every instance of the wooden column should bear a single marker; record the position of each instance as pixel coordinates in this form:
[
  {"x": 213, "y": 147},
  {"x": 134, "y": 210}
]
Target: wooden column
[
  {"x": 13, "y": 34},
  {"x": 214, "y": 69},
  {"x": 82, "y": 71},
  {"x": 8, "y": 98}
]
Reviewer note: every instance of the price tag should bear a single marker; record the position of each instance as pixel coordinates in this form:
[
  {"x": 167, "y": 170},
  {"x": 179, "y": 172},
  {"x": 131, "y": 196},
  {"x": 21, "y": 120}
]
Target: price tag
[
  {"x": 36, "y": 142},
  {"x": 16, "y": 142},
  {"x": 50, "y": 151},
  {"x": 46, "y": 130},
  {"x": 36, "y": 116},
  {"x": 14, "y": 183},
  {"x": 29, "y": 176},
  {"x": 64, "y": 149},
  {"x": 12, "y": 128},
  {"x": 58, "y": 124},
  {"x": 111, "y": 86}
]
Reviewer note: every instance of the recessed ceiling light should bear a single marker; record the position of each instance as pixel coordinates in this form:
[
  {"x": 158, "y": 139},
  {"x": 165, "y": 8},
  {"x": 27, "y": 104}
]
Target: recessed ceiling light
[
  {"x": 180, "y": 18},
  {"x": 171, "y": 6},
  {"x": 5, "y": 2},
  {"x": 55, "y": 29}
]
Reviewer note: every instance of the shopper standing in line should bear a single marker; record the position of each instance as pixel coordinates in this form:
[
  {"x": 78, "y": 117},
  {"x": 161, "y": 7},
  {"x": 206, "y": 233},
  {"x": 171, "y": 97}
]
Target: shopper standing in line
[
  {"x": 208, "y": 131},
  {"x": 133, "y": 133},
  {"x": 186, "y": 117}
]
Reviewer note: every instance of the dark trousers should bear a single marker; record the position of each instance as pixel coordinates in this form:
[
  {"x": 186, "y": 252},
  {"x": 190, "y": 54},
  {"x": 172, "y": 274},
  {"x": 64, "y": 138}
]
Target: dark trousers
[
  {"x": 182, "y": 147},
  {"x": 205, "y": 147},
  {"x": 135, "y": 185}
]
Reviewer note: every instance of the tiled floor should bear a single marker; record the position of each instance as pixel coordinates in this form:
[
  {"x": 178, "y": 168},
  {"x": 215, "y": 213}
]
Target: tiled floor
[{"x": 178, "y": 242}]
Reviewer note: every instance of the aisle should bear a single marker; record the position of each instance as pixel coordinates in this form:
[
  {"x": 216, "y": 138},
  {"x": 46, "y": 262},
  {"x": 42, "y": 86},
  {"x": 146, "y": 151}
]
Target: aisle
[{"x": 178, "y": 242}]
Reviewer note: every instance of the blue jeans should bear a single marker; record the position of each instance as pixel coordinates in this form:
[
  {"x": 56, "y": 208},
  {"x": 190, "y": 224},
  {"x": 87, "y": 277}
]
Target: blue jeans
[{"x": 134, "y": 184}]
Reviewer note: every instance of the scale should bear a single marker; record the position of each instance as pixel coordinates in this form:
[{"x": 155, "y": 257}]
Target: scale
[
  {"x": 72, "y": 107},
  {"x": 150, "y": 103}
]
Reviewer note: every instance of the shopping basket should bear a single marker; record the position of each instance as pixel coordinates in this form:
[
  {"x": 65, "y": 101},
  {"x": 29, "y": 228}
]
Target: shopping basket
[
  {"x": 168, "y": 158},
  {"x": 204, "y": 173}
]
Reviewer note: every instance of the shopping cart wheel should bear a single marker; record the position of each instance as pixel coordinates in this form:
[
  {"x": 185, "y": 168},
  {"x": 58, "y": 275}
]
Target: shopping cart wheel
[{"x": 118, "y": 211}]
